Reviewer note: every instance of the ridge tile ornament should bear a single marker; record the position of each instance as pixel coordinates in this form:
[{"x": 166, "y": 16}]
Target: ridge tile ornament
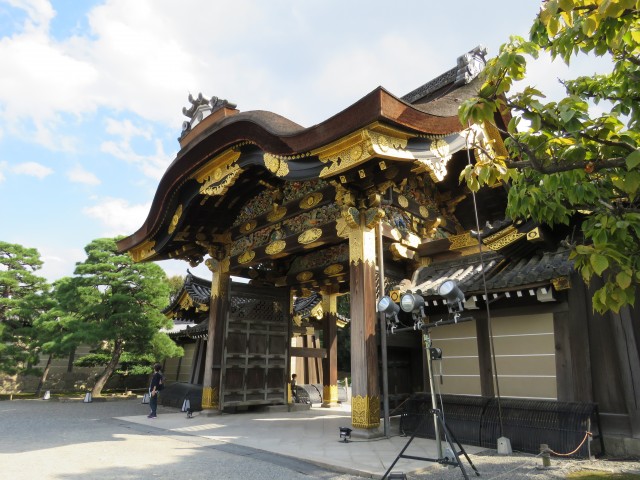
[{"x": 200, "y": 109}]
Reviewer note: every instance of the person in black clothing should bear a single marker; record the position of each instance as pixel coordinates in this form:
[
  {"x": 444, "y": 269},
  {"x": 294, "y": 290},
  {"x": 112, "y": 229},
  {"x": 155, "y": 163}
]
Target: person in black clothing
[
  {"x": 154, "y": 390},
  {"x": 294, "y": 389}
]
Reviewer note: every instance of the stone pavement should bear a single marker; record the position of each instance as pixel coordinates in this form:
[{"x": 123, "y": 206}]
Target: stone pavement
[
  {"x": 309, "y": 435},
  {"x": 115, "y": 440}
]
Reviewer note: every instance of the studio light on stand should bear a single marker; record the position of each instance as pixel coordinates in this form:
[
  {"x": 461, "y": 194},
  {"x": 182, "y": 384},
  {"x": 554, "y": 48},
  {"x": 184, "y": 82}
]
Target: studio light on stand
[{"x": 414, "y": 303}]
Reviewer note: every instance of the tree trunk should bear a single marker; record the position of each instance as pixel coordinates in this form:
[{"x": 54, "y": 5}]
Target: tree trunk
[
  {"x": 44, "y": 376},
  {"x": 111, "y": 366}
]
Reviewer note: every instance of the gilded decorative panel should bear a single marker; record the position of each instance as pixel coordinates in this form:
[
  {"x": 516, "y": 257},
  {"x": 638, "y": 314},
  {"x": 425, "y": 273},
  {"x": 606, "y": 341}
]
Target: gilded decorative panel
[
  {"x": 360, "y": 146},
  {"x": 320, "y": 259},
  {"x": 462, "y": 241},
  {"x": 143, "y": 251},
  {"x": 219, "y": 174},
  {"x": 362, "y": 246},
  {"x": 210, "y": 398},
  {"x": 365, "y": 411}
]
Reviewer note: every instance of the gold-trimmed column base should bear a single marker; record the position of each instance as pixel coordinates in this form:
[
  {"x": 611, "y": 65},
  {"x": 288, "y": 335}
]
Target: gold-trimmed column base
[
  {"x": 330, "y": 396},
  {"x": 365, "y": 412},
  {"x": 210, "y": 400}
]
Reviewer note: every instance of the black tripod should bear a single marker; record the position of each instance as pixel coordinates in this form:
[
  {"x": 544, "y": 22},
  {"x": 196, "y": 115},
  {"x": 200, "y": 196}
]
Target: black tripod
[
  {"x": 438, "y": 418},
  {"x": 451, "y": 440}
]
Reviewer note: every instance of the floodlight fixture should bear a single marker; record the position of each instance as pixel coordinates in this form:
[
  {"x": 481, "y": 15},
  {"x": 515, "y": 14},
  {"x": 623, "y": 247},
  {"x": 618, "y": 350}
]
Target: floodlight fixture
[
  {"x": 388, "y": 306},
  {"x": 390, "y": 310},
  {"x": 345, "y": 434},
  {"x": 450, "y": 291},
  {"x": 411, "y": 302}
]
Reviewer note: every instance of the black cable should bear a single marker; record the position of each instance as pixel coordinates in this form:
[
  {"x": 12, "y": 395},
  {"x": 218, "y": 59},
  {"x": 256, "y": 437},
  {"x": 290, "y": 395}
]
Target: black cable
[{"x": 486, "y": 296}]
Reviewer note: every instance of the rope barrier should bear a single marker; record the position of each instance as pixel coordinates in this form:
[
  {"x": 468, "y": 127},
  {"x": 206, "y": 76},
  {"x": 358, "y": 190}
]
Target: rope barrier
[{"x": 586, "y": 435}]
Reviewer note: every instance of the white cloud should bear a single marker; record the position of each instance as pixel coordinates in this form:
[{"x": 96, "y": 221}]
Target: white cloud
[
  {"x": 152, "y": 165},
  {"x": 3, "y": 166},
  {"x": 127, "y": 130},
  {"x": 79, "y": 175},
  {"x": 118, "y": 216},
  {"x": 32, "y": 169},
  {"x": 40, "y": 12},
  {"x": 59, "y": 262}
]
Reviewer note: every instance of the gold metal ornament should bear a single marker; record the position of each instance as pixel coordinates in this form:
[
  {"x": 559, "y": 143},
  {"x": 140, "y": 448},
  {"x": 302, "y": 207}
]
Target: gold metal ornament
[
  {"x": 309, "y": 236},
  {"x": 250, "y": 225},
  {"x": 334, "y": 269},
  {"x": 310, "y": 200},
  {"x": 304, "y": 276},
  {"x": 276, "y": 214},
  {"x": 246, "y": 257},
  {"x": 175, "y": 219},
  {"x": 143, "y": 251},
  {"x": 275, "y": 247},
  {"x": 275, "y": 165}
]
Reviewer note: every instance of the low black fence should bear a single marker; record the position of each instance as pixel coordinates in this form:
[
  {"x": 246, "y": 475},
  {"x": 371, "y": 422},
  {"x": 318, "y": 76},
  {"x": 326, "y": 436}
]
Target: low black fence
[
  {"x": 527, "y": 423},
  {"x": 174, "y": 395},
  {"x": 312, "y": 393}
]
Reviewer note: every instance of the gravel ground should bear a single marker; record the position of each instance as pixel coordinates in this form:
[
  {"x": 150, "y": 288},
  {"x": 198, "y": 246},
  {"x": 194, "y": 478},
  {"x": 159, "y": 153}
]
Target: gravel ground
[{"x": 521, "y": 466}]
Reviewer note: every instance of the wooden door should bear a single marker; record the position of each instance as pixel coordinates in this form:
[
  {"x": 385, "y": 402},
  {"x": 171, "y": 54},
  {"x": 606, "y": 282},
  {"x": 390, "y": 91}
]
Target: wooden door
[{"x": 254, "y": 370}]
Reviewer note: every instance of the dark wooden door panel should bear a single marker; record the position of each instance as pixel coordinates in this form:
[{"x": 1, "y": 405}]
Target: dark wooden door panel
[{"x": 256, "y": 347}]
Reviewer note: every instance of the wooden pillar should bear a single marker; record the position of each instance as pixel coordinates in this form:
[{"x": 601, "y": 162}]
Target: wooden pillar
[
  {"x": 629, "y": 374},
  {"x": 365, "y": 401},
  {"x": 330, "y": 363},
  {"x": 215, "y": 339}
]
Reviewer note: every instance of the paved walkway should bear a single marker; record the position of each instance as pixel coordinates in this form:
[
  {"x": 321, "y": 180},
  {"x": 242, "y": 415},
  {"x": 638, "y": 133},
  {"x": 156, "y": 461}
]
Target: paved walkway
[{"x": 310, "y": 435}]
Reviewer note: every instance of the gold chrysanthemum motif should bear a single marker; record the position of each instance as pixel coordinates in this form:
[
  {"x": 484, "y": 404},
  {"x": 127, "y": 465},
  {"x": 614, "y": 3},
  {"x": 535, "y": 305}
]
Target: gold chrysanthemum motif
[
  {"x": 275, "y": 247},
  {"x": 334, "y": 269},
  {"x": 310, "y": 200},
  {"x": 402, "y": 200},
  {"x": 247, "y": 227},
  {"x": 246, "y": 256},
  {"x": 304, "y": 276}
]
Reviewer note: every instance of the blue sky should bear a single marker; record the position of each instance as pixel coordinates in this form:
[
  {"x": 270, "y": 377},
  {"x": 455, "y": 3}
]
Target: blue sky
[{"x": 91, "y": 92}]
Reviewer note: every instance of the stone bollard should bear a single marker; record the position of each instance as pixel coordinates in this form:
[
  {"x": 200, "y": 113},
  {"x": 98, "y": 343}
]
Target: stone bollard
[{"x": 544, "y": 454}]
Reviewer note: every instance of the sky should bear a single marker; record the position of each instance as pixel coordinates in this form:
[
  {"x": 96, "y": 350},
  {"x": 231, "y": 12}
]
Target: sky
[{"x": 91, "y": 92}]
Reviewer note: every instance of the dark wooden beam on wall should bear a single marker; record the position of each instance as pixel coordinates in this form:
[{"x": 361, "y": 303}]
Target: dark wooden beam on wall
[
  {"x": 306, "y": 352},
  {"x": 484, "y": 357}
]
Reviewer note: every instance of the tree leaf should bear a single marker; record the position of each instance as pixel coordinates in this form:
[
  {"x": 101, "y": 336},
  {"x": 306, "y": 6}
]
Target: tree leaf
[
  {"x": 633, "y": 160},
  {"x": 599, "y": 263},
  {"x": 623, "y": 279}
]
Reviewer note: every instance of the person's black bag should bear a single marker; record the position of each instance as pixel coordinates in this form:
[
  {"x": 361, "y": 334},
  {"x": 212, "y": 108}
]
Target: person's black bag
[{"x": 161, "y": 384}]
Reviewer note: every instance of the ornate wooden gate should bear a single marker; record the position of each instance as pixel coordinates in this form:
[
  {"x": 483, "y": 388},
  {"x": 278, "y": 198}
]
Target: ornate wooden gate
[{"x": 254, "y": 368}]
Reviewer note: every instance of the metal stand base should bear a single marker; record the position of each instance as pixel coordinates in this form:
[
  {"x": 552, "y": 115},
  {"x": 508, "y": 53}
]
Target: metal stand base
[{"x": 450, "y": 438}]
